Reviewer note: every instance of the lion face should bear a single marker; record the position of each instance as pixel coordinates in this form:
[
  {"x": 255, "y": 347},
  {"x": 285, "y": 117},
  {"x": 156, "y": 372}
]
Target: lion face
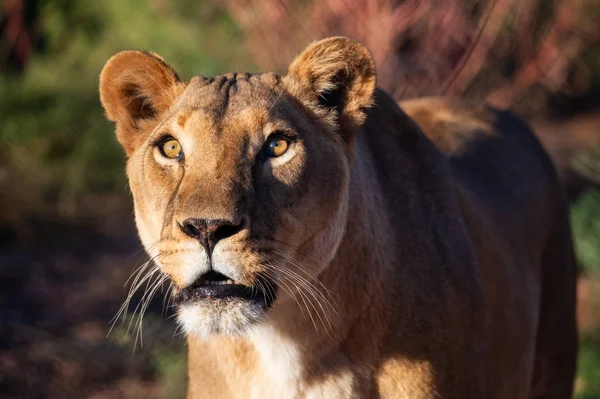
[
  {"x": 227, "y": 193},
  {"x": 240, "y": 183}
]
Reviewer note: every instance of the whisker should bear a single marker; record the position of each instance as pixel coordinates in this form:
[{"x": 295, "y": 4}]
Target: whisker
[
  {"x": 167, "y": 298},
  {"x": 302, "y": 283},
  {"x": 134, "y": 287},
  {"x": 152, "y": 274},
  {"x": 297, "y": 250},
  {"x": 281, "y": 282},
  {"x": 146, "y": 303},
  {"x": 294, "y": 262},
  {"x": 142, "y": 275},
  {"x": 283, "y": 285},
  {"x": 315, "y": 295},
  {"x": 262, "y": 288}
]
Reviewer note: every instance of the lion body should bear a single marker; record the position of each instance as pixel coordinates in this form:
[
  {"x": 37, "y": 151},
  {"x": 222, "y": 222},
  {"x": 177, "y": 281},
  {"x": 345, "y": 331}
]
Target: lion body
[
  {"x": 468, "y": 241},
  {"x": 515, "y": 212},
  {"x": 437, "y": 243}
]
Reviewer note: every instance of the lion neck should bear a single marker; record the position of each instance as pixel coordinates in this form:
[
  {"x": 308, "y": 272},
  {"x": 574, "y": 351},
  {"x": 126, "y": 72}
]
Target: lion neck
[{"x": 311, "y": 337}]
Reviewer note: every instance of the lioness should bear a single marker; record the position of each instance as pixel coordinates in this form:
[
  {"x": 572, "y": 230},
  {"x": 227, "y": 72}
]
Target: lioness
[{"x": 321, "y": 246}]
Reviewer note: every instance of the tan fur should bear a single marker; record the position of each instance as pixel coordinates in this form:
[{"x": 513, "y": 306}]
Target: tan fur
[{"x": 408, "y": 265}]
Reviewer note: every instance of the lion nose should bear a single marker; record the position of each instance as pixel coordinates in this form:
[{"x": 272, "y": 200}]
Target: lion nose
[{"x": 210, "y": 231}]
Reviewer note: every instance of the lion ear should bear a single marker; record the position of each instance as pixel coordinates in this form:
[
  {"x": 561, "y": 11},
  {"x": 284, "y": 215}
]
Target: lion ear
[
  {"x": 336, "y": 79},
  {"x": 135, "y": 89}
]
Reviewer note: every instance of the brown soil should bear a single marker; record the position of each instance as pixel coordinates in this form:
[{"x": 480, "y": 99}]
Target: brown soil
[{"x": 59, "y": 289}]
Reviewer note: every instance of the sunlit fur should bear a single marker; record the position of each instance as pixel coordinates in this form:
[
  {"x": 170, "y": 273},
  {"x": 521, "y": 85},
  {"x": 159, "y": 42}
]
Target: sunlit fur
[{"x": 403, "y": 270}]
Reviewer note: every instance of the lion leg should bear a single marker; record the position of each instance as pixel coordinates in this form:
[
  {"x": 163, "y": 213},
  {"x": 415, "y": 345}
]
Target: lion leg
[{"x": 556, "y": 346}]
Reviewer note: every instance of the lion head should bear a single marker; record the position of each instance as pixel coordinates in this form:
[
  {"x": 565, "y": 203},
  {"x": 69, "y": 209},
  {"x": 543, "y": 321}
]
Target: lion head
[{"x": 240, "y": 182}]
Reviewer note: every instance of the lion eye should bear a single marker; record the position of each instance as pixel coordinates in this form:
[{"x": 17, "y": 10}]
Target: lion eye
[
  {"x": 171, "y": 148},
  {"x": 276, "y": 147}
]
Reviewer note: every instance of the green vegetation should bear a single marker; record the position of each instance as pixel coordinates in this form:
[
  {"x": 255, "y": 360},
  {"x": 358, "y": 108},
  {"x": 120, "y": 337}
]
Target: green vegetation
[
  {"x": 59, "y": 144},
  {"x": 171, "y": 366},
  {"x": 585, "y": 217},
  {"x": 588, "y": 386}
]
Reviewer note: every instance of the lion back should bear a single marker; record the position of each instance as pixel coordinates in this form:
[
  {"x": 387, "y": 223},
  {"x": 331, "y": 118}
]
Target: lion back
[{"x": 516, "y": 213}]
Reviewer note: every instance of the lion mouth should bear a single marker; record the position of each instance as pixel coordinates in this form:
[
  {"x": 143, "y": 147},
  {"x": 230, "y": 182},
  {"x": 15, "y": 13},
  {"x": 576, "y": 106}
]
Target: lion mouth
[{"x": 214, "y": 286}]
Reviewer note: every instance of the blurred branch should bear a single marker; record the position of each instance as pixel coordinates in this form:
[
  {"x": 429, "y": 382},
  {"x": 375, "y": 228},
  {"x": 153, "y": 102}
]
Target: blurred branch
[
  {"x": 498, "y": 50},
  {"x": 550, "y": 62},
  {"x": 475, "y": 57},
  {"x": 15, "y": 42}
]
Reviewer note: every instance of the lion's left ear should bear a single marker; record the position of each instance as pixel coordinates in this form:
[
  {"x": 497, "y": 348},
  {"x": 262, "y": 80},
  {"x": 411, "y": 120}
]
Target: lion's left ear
[
  {"x": 336, "y": 79},
  {"x": 136, "y": 88}
]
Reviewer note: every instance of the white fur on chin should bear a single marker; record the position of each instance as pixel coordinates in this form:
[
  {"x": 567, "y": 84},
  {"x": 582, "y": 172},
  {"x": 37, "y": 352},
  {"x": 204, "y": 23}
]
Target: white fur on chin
[{"x": 216, "y": 316}]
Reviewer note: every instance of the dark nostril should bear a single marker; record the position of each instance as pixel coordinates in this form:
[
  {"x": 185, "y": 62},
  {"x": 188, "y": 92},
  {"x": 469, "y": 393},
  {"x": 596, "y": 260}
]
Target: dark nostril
[
  {"x": 190, "y": 229},
  {"x": 227, "y": 230}
]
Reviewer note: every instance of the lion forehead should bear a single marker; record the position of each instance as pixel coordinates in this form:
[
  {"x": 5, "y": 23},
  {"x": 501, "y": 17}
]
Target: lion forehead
[{"x": 231, "y": 93}]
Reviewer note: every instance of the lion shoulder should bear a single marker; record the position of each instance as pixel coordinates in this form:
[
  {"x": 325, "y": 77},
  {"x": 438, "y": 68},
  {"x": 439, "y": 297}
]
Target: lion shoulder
[{"x": 491, "y": 152}]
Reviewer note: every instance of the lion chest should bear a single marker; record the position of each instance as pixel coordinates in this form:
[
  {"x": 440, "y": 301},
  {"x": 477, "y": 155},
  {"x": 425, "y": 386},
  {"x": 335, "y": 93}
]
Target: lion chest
[{"x": 281, "y": 371}]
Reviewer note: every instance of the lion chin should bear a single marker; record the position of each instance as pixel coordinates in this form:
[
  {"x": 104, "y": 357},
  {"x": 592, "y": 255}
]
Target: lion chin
[
  {"x": 228, "y": 317},
  {"x": 323, "y": 241}
]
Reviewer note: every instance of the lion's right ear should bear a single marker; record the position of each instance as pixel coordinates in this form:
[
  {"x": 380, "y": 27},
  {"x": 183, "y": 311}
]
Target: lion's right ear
[
  {"x": 135, "y": 89},
  {"x": 336, "y": 79}
]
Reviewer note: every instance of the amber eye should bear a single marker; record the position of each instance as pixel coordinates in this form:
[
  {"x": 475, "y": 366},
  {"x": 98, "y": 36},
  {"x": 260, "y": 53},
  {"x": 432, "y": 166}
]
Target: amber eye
[
  {"x": 276, "y": 147},
  {"x": 171, "y": 148}
]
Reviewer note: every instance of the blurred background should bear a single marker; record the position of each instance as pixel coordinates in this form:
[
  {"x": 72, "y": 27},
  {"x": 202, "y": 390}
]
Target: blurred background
[{"x": 67, "y": 240}]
